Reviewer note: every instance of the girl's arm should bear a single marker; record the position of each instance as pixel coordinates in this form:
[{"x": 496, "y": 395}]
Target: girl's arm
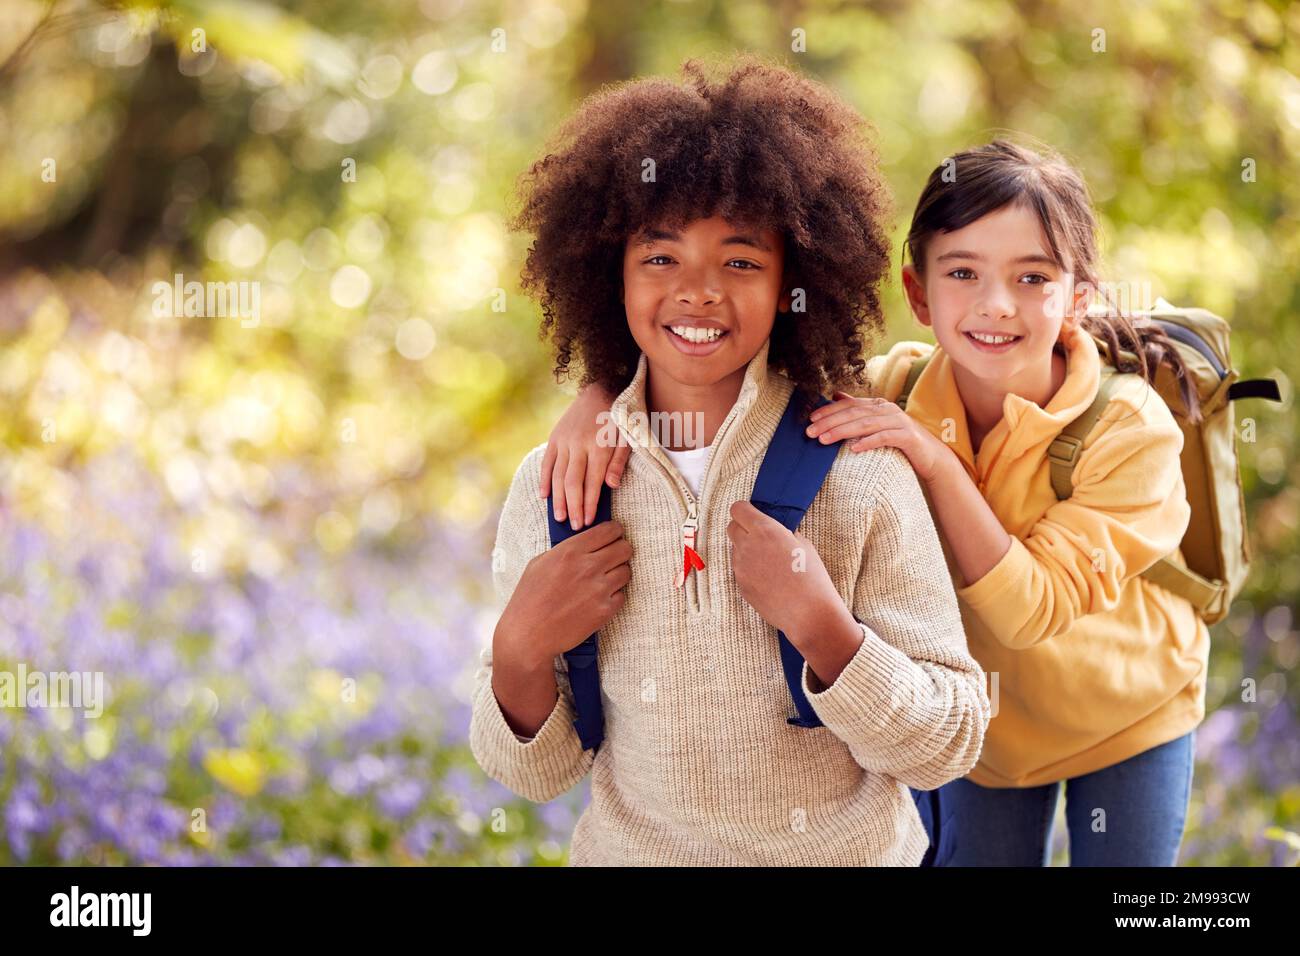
[
  {"x": 522, "y": 685},
  {"x": 973, "y": 532},
  {"x": 911, "y": 702},
  {"x": 576, "y": 462},
  {"x": 1128, "y": 509}
]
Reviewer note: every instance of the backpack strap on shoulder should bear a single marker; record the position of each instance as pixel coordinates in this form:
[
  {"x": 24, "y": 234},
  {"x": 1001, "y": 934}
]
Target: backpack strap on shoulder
[
  {"x": 1063, "y": 452},
  {"x": 913, "y": 374},
  {"x": 1203, "y": 594},
  {"x": 584, "y": 674},
  {"x": 788, "y": 480}
]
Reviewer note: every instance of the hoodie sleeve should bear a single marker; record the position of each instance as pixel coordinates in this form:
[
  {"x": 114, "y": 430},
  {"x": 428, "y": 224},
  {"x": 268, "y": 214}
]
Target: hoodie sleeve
[
  {"x": 1129, "y": 509},
  {"x": 911, "y": 702},
  {"x": 551, "y": 762}
]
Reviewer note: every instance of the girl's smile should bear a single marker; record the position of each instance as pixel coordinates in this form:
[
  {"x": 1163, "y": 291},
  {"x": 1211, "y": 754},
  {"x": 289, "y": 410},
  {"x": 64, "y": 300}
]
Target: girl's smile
[{"x": 993, "y": 342}]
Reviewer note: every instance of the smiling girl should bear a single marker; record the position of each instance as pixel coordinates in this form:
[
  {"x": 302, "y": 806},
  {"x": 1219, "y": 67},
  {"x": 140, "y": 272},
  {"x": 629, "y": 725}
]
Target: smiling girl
[{"x": 1100, "y": 674}]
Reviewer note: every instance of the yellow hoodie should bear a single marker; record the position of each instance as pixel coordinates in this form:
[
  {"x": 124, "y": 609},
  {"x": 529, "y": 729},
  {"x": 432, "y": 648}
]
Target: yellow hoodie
[{"x": 1089, "y": 664}]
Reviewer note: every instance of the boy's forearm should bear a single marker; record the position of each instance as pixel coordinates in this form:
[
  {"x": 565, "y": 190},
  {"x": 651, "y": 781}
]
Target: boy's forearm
[
  {"x": 972, "y": 531},
  {"x": 828, "y": 643},
  {"x": 525, "y": 687}
]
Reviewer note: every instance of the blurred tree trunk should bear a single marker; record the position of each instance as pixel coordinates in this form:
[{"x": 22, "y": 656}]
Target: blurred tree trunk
[{"x": 122, "y": 213}]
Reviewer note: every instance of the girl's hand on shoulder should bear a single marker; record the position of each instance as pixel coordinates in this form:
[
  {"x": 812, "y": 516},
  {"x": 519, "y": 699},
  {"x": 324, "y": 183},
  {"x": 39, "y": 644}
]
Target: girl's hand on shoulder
[
  {"x": 877, "y": 423},
  {"x": 579, "y": 456}
]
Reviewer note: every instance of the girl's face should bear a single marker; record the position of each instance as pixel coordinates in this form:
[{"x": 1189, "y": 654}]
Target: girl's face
[
  {"x": 993, "y": 294},
  {"x": 701, "y": 300}
]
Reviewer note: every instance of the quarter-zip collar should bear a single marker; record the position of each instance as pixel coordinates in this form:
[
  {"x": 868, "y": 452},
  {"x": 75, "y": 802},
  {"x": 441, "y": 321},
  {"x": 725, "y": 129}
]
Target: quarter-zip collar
[
  {"x": 743, "y": 435},
  {"x": 1025, "y": 426}
]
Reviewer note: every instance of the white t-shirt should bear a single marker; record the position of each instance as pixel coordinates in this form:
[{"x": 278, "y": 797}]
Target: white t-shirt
[{"x": 691, "y": 464}]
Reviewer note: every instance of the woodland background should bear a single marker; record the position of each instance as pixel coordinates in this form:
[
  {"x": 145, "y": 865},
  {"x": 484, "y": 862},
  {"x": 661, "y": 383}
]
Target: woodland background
[{"x": 274, "y": 540}]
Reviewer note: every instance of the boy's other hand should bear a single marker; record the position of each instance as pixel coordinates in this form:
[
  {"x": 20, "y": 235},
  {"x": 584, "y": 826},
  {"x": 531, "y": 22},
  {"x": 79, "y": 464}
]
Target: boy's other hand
[
  {"x": 565, "y": 594},
  {"x": 579, "y": 456},
  {"x": 780, "y": 573}
]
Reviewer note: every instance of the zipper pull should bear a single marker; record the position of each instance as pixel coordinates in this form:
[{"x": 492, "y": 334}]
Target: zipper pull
[{"x": 690, "y": 558}]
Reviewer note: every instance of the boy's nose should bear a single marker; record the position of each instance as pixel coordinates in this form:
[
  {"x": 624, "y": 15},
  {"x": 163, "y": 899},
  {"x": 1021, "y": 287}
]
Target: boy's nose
[
  {"x": 699, "y": 297},
  {"x": 699, "y": 289}
]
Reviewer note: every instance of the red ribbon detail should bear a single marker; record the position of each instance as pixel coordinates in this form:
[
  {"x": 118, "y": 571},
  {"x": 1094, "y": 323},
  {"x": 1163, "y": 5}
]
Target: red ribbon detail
[{"x": 691, "y": 560}]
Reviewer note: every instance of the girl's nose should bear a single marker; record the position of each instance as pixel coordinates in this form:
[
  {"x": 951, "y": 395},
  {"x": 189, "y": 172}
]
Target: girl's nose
[{"x": 995, "y": 304}]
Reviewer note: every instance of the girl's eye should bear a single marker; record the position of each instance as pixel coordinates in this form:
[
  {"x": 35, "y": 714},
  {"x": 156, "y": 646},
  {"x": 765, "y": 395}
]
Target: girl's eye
[
  {"x": 1034, "y": 275},
  {"x": 744, "y": 264},
  {"x": 651, "y": 261},
  {"x": 964, "y": 273}
]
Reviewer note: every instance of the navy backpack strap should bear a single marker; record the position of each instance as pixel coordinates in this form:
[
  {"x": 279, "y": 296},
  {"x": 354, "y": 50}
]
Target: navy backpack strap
[
  {"x": 584, "y": 674},
  {"x": 788, "y": 480}
]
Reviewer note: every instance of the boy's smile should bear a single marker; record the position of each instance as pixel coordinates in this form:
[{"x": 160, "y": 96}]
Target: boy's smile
[
  {"x": 695, "y": 335},
  {"x": 701, "y": 300}
]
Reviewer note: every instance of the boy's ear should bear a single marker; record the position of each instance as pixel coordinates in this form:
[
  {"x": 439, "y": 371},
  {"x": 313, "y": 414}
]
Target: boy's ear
[
  {"x": 788, "y": 282},
  {"x": 915, "y": 289}
]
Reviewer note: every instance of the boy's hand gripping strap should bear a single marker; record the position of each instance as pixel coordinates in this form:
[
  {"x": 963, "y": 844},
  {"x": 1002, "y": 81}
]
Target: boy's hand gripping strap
[
  {"x": 788, "y": 480},
  {"x": 584, "y": 674}
]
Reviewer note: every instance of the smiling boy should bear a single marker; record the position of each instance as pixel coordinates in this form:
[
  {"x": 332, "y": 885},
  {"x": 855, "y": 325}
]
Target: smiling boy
[{"x": 677, "y": 293}]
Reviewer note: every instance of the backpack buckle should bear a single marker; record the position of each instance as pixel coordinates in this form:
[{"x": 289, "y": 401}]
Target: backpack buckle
[{"x": 1064, "y": 449}]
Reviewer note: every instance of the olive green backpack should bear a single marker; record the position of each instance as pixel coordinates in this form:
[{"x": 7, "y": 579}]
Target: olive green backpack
[{"x": 1215, "y": 549}]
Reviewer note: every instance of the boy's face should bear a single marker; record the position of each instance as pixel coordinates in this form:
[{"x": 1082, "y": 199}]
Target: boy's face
[
  {"x": 701, "y": 300},
  {"x": 990, "y": 280}
]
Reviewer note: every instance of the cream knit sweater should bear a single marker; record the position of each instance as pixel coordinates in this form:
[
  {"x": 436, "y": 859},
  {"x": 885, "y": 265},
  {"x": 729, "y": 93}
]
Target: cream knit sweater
[{"x": 699, "y": 766}]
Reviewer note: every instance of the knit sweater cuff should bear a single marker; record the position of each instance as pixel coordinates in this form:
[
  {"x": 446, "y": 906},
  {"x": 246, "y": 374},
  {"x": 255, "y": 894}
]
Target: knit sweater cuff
[
  {"x": 537, "y": 768},
  {"x": 860, "y": 703}
]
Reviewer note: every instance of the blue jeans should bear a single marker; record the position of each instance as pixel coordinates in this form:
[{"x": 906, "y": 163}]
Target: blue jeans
[{"x": 1130, "y": 814}]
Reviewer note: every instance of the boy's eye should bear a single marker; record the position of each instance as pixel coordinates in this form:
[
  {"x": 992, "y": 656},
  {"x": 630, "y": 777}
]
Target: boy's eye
[
  {"x": 962, "y": 273},
  {"x": 663, "y": 260},
  {"x": 1038, "y": 276}
]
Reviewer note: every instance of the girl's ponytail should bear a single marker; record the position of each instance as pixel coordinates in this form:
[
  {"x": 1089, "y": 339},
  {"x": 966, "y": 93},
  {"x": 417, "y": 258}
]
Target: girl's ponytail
[{"x": 1149, "y": 348}]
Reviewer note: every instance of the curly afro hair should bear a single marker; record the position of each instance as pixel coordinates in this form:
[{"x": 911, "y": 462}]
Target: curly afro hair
[{"x": 763, "y": 147}]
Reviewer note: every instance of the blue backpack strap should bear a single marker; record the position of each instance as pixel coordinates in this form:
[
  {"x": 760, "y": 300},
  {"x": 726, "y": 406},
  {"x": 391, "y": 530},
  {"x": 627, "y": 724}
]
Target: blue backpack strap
[
  {"x": 937, "y": 809},
  {"x": 927, "y": 808},
  {"x": 788, "y": 480},
  {"x": 584, "y": 674}
]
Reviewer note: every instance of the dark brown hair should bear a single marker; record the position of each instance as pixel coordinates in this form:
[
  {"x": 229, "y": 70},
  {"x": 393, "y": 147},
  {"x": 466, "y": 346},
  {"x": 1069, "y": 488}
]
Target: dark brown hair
[
  {"x": 762, "y": 146},
  {"x": 982, "y": 180}
]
